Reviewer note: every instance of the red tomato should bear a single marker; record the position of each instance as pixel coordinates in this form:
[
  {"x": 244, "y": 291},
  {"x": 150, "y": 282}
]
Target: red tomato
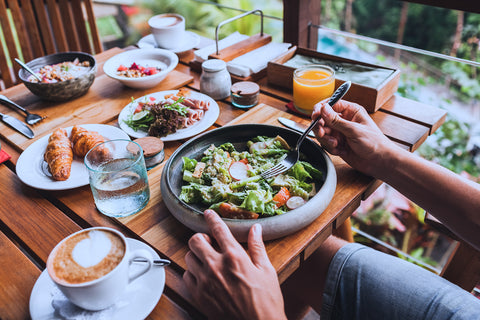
[
  {"x": 226, "y": 210},
  {"x": 138, "y": 108},
  {"x": 122, "y": 68},
  {"x": 281, "y": 197}
]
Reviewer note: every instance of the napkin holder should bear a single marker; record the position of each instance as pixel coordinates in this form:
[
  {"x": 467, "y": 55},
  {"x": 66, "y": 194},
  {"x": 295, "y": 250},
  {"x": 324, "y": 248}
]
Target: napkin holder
[
  {"x": 372, "y": 98},
  {"x": 238, "y": 49}
]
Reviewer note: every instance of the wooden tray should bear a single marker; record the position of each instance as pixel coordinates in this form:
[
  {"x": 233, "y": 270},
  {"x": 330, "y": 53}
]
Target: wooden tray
[{"x": 371, "y": 98}]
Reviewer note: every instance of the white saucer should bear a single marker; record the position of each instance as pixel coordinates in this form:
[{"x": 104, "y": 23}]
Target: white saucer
[
  {"x": 190, "y": 41},
  {"x": 139, "y": 299}
]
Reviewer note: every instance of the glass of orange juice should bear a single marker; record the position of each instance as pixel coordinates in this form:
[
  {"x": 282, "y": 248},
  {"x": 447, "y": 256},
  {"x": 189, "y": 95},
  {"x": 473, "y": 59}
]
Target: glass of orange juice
[{"x": 311, "y": 84}]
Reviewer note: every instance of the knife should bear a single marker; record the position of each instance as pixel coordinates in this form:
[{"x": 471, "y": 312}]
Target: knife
[
  {"x": 295, "y": 126},
  {"x": 17, "y": 125}
]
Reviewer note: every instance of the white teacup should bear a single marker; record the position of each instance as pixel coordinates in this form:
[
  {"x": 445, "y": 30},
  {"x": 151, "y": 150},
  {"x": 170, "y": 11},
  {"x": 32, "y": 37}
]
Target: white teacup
[
  {"x": 168, "y": 29},
  {"x": 92, "y": 267}
]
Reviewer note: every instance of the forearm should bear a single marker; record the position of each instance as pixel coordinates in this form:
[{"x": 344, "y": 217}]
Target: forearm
[{"x": 450, "y": 198}]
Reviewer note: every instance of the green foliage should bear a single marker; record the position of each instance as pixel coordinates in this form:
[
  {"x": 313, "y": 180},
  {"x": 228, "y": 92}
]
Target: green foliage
[
  {"x": 449, "y": 148},
  {"x": 203, "y": 18}
]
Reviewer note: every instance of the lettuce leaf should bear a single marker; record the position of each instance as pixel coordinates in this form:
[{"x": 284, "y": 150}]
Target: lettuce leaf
[{"x": 189, "y": 164}]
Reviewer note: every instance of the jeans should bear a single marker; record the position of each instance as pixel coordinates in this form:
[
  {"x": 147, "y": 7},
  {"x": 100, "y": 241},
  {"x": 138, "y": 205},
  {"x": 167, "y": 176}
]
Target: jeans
[{"x": 363, "y": 283}]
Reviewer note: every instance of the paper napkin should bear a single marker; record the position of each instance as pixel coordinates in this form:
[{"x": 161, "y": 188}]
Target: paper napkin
[
  {"x": 4, "y": 156},
  {"x": 256, "y": 60}
]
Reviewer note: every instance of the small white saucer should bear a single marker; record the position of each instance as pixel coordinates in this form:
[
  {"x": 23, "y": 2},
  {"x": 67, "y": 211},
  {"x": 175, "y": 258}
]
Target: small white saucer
[
  {"x": 139, "y": 299},
  {"x": 190, "y": 41}
]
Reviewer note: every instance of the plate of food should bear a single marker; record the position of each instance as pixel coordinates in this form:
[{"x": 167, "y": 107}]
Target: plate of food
[
  {"x": 169, "y": 115},
  {"x": 220, "y": 170},
  {"x": 55, "y": 161}
]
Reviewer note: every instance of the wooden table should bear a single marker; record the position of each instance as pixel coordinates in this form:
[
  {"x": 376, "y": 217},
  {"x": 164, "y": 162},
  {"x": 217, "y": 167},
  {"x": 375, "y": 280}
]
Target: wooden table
[{"x": 33, "y": 221}]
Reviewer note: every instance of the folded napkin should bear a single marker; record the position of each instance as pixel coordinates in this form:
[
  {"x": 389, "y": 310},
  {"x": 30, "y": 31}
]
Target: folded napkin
[
  {"x": 4, "y": 156},
  {"x": 292, "y": 108},
  {"x": 203, "y": 53},
  {"x": 67, "y": 310},
  {"x": 256, "y": 60}
]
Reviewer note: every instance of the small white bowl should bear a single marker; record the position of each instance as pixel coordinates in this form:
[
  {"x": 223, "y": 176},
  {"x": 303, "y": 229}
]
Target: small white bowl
[{"x": 151, "y": 57}]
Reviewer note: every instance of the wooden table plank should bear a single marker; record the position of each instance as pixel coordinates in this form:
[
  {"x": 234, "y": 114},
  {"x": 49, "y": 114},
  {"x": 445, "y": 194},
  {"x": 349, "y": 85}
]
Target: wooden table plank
[
  {"x": 30, "y": 216},
  {"x": 17, "y": 277},
  {"x": 429, "y": 116},
  {"x": 401, "y": 130}
]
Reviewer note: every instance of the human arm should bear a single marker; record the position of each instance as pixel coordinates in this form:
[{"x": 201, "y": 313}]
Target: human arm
[
  {"x": 225, "y": 281},
  {"x": 348, "y": 131}
]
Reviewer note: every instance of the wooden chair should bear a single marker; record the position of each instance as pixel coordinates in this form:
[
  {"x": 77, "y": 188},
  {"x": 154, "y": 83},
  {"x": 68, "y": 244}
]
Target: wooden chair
[{"x": 34, "y": 28}]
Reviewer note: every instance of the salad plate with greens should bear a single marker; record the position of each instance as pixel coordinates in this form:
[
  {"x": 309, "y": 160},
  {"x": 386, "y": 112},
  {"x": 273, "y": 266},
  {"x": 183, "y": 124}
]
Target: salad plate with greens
[
  {"x": 220, "y": 170},
  {"x": 170, "y": 115}
]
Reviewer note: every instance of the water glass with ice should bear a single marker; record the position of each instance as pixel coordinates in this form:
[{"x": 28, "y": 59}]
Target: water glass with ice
[{"x": 118, "y": 177}]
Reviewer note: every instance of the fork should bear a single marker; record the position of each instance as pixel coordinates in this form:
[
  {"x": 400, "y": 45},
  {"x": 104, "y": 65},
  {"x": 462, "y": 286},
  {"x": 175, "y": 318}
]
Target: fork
[
  {"x": 30, "y": 118},
  {"x": 293, "y": 155}
]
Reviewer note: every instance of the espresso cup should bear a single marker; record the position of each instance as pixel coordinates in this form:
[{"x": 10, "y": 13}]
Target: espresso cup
[
  {"x": 168, "y": 30},
  {"x": 91, "y": 267}
]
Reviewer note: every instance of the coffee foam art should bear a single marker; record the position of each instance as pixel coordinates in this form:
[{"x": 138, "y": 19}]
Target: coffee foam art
[
  {"x": 86, "y": 256},
  {"x": 90, "y": 251},
  {"x": 163, "y": 22}
]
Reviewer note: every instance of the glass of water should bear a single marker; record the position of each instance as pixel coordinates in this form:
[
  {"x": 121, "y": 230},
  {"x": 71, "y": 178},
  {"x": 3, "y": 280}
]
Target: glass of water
[{"x": 118, "y": 177}]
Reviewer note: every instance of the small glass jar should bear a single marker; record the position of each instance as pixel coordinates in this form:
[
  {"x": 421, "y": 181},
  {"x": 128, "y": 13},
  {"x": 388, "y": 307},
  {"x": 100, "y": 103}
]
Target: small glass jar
[
  {"x": 245, "y": 94},
  {"x": 152, "y": 151},
  {"x": 215, "y": 80}
]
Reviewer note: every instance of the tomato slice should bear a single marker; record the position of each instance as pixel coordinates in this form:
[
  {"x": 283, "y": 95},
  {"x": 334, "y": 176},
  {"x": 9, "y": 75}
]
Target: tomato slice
[
  {"x": 281, "y": 197},
  {"x": 138, "y": 108}
]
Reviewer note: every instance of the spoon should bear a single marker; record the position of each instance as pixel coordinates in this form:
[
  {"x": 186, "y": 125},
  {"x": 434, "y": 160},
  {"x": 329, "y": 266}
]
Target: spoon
[
  {"x": 156, "y": 262},
  {"x": 31, "y": 118},
  {"x": 24, "y": 66}
]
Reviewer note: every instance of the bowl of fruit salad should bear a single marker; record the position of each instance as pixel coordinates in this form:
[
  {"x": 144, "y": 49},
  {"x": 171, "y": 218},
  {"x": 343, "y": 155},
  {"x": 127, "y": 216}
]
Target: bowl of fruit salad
[
  {"x": 141, "y": 68},
  {"x": 221, "y": 168}
]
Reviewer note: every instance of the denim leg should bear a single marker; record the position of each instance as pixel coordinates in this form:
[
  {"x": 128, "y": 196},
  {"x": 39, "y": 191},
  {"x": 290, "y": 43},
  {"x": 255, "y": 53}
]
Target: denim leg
[{"x": 363, "y": 283}]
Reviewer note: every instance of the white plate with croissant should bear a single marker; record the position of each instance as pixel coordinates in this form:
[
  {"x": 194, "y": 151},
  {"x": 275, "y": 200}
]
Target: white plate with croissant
[{"x": 64, "y": 169}]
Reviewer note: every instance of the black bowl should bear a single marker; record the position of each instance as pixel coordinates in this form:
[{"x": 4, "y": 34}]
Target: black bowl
[
  {"x": 63, "y": 90},
  {"x": 273, "y": 227}
]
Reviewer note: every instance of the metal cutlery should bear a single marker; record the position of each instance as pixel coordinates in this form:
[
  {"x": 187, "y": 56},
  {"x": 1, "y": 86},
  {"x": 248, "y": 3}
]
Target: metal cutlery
[
  {"x": 27, "y": 68},
  {"x": 295, "y": 126},
  {"x": 30, "y": 118},
  {"x": 292, "y": 156},
  {"x": 17, "y": 125},
  {"x": 156, "y": 262}
]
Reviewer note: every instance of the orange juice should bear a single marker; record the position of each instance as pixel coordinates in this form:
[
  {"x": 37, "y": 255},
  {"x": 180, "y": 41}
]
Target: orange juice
[{"x": 312, "y": 84}]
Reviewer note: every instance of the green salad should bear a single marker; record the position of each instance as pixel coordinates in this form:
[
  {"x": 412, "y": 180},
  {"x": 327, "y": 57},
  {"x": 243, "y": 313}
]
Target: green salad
[{"x": 229, "y": 182}]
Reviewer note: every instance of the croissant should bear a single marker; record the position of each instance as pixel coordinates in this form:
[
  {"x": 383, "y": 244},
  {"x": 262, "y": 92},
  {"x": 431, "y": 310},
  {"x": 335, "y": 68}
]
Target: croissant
[
  {"x": 84, "y": 140},
  {"x": 58, "y": 155}
]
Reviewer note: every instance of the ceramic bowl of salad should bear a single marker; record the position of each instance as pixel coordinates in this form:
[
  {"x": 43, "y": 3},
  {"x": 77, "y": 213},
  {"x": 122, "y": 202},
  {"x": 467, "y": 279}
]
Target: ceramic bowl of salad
[
  {"x": 220, "y": 170},
  {"x": 63, "y": 76},
  {"x": 141, "y": 68}
]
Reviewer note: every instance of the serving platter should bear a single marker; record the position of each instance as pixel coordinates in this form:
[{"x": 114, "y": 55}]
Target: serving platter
[
  {"x": 273, "y": 227},
  {"x": 209, "y": 117}
]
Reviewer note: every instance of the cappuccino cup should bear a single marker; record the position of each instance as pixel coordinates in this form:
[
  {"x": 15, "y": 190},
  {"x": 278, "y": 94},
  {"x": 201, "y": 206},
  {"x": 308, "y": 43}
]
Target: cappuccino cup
[
  {"x": 168, "y": 30},
  {"x": 91, "y": 267}
]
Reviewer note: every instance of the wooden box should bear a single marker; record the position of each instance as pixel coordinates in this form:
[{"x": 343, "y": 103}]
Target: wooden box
[{"x": 372, "y": 98}]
